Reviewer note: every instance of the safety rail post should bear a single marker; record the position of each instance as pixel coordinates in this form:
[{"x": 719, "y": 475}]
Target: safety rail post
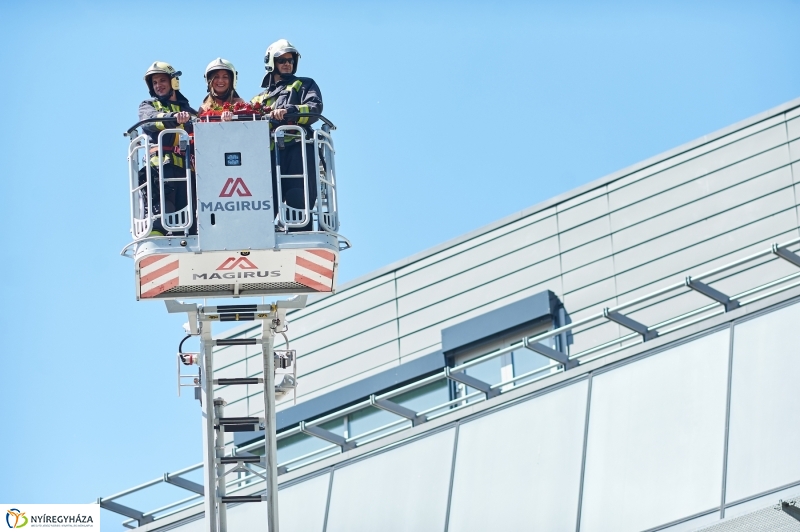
[
  {"x": 550, "y": 353},
  {"x": 325, "y": 434},
  {"x": 136, "y": 515},
  {"x": 181, "y": 219},
  {"x": 472, "y": 382},
  {"x": 786, "y": 255},
  {"x": 141, "y": 215},
  {"x": 286, "y": 212},
  {"x": 631, "y": 324},
  {"x": 398, "y": 410},
  {"x": 713, "y": 293},
  {"x": 327, "y": 195}
]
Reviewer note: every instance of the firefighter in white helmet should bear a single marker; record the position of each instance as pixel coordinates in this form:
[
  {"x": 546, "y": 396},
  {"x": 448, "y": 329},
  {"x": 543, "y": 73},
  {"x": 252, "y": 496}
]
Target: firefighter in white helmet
[
  {"x": 166, "y": 102},
  {"x": 287, "y": 94},
  {"x": 221, "y": 77}
]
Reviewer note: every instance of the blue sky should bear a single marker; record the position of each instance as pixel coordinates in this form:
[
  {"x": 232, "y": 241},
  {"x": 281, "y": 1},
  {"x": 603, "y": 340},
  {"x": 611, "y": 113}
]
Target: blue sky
[{"x": 451, "y": 115}]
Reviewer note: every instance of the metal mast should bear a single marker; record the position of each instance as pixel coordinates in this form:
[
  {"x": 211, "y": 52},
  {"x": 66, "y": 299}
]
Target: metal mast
[{"x": 215, "y": 424}]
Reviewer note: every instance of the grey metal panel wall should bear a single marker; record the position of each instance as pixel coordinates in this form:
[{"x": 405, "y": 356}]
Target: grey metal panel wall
[
  {"x": 641, "y": 443},
  {"x": 699, "y": 207}
]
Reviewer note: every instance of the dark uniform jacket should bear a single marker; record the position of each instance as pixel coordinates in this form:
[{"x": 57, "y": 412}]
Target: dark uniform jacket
[
  {"x": 164, "y": 108},
  {"x": 296, "y": 95}
]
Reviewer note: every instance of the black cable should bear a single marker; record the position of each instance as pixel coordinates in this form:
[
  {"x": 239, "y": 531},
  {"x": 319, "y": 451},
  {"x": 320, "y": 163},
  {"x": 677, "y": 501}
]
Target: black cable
[{"x": 180, "y": 346}]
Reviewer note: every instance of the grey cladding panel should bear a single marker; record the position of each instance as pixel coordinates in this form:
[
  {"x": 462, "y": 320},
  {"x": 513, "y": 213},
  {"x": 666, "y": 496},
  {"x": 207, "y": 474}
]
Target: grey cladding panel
[
  {"x": 493, "y": 267},
  {"x": 700, "y": 166},
  {"x": 697, "y": 258},
  {"x": 705, "y": 229},
  {"x": 591, "y": 297},
  {"x": 535, "y": 234},
  {"x": 699, "y": 188},
  {"x": 347, "y": 349},
  {"x": 359, "y": 326},
  {"x": 584, "y": 234},
  {"x": 503, "y": 320},
  {"x": 734, "y": 200},
  {"x": 589, "y": 274},
  {"x": 793, "y": 127},
  {"x": 430, "y": 336},
  {"x": 339, "y": 308},
  {"x": 582, "y": 213},
  {"x": 583, "y": 255},
  {"x": 479, "y": 296},
  {"x": 794, "y": 152}
]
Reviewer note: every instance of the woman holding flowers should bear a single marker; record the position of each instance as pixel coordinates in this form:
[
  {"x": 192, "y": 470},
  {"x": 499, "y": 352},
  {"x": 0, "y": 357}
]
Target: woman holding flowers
[{"x": 222, "y": 96}]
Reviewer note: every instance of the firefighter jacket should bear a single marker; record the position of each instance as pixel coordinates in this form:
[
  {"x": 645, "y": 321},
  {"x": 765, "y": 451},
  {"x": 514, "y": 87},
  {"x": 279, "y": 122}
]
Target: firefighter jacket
[
  {"x": 296, "y": 95},
  {"x": 163, "y": 108}
]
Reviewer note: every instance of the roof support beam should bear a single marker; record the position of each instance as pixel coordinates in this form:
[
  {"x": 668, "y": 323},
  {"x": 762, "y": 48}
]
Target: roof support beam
[
  {"x": 136, "y": 515},
  {"x": 550, "y": 353},
  {"x": 713, "y": 293},
  {"x": 185, "y": 484},
  {"x": 399, "y": 410},
  {"x": 791, "y": 509},
  {"x": 631, "y": 324},
  {"x": 472, "y": 382},
  {"x": 785, "y": 254},
  {"x": 323, "y": 434}
]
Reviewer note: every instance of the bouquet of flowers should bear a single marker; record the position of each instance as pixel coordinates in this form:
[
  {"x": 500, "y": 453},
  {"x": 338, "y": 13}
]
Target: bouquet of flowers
[{"x": 239, "y": 108}]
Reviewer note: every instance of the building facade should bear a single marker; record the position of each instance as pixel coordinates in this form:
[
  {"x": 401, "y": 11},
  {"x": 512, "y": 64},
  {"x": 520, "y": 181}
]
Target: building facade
[{"x": 654, "y": 389}]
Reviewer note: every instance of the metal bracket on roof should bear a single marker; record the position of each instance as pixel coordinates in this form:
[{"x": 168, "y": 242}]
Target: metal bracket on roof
[
  {"x": 185, "y": 484},
  {"x": 323, "y": 434},
  {"x": 713, "y": 293},
  {"x": 136, "y": 515},
  {"x": 631, "y": 324},
  {"x": 472, "y": 382},
  {"x": 550, "y": 353},
  {"x": 785, "y": 254},
  {"x": 399, "y": 410},
  {"x": 791, "y": 509}
]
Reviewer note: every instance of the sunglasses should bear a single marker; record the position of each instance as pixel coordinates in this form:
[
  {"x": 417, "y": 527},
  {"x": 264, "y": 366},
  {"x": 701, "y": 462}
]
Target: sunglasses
[{"x": 281, "y": 61}]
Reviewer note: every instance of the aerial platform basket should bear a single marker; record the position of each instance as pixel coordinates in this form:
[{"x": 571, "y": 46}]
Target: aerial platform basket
[{"x": 240, "y": 247}]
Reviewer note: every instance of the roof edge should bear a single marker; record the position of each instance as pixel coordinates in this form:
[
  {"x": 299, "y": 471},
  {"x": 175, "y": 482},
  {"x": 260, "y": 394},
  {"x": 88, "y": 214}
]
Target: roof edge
[{"x": 561, "y": 198}]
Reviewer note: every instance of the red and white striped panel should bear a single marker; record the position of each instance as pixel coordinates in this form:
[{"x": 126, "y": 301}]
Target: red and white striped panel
[
  {"x": 314, "y": 269},
  {"x": 157, "y": 273}
]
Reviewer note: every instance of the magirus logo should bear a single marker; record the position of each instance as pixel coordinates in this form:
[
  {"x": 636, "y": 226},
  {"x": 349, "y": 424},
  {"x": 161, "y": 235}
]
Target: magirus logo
[
  {"x": 233, "y": 262},
  {"x": 234, "y": 185},
  {"x": 236, "y": 263}
]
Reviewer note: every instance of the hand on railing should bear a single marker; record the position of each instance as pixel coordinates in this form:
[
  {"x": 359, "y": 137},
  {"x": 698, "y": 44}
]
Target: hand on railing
[{"x": 287, "y": 116}]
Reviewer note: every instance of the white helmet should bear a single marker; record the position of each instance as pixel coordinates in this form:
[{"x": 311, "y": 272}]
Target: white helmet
[
  {"x": 160, "y": 67},
  {"x": 278, "y": 48},
  {"x": 222, "y": 64}
]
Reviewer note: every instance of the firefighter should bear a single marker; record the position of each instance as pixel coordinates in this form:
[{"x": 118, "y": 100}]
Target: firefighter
[
  {"x": 221, "y": 81},
  {"x": 166, "y": 102},
  {"x": 287, "y": 94}
]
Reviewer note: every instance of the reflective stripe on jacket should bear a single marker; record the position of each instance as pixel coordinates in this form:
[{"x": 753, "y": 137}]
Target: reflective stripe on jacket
[
  {"x": 156, "y": 108},
  {"x": 296, "y": 95}
]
